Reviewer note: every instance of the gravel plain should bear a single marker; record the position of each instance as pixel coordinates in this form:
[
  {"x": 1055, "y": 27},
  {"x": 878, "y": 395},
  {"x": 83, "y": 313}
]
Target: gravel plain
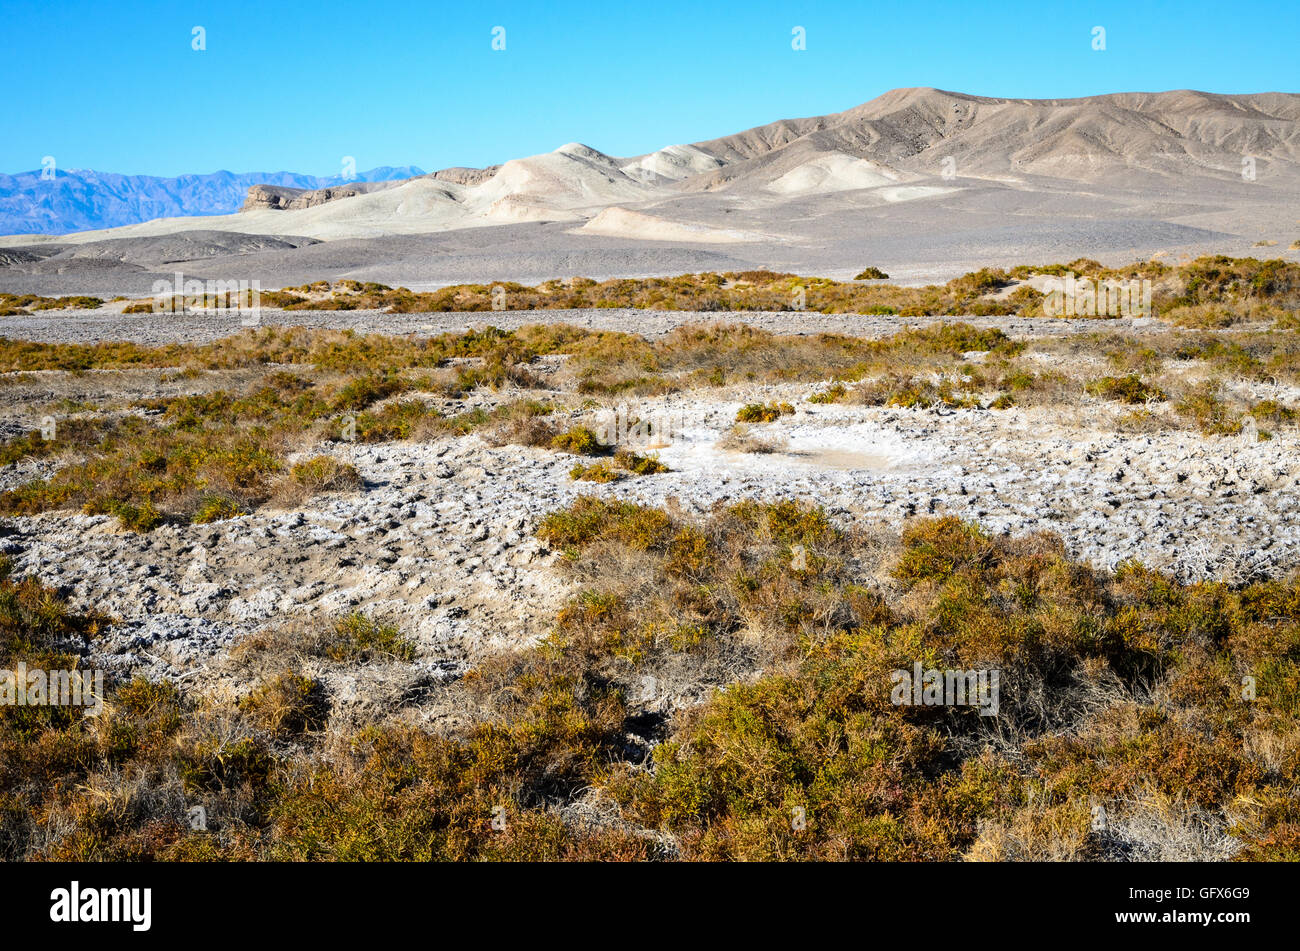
[{"x": 92, "y": 326}]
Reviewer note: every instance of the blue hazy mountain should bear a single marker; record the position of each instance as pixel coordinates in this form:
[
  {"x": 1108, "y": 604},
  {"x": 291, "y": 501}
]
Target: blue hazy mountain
[{"x": 83, "y": 200}]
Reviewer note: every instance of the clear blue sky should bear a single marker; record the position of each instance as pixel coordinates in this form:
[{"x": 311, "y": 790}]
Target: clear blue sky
[{"x": 115, "y": 86}]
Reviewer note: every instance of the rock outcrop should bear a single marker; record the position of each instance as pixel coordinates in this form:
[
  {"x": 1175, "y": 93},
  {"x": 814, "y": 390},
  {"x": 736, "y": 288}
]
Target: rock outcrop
[
  {"x": 283, "y": 198},
  {"x": 280, "y": 198},
  {"x": 465, "y": 176}
]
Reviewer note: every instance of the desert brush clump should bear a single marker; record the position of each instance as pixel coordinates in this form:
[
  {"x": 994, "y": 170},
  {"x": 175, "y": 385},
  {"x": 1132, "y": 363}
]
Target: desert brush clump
[
  {"x": 321, "y": 473},
  {"x": 763, "y": 412},
  {"x": 1126, "y": 389},
  {"x": 832, "y": 394},
  {"x": 637, "y": 464},
  {"x": 358, "y": 637},
  {"x": 17, "y": 305},
  {"x": 909, "y": 392},
  {"x": 580, "y": 441},
  {"x": 216, "y": 508},
  {"x": 262, "y": 397},
  {"x": 1206, "y": 409},
  {"x": 71, "y": 434},
  {"x": 624, "y": 463},
  {"x": 600, "y": 472},
  {"x": 290, "y": 702}
]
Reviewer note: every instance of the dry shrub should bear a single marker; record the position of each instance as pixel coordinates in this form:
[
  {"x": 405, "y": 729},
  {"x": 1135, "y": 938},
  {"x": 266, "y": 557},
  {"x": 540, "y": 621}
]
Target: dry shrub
[
  {"x": 743, "y": 438},
  {"x": 315, "y": 475},
  {"x": 290, "y": 702},
  {"x": 1041, "y": 831},
  {"x": 1157, "y": 826},
  {"x": 533, "y": 431},
  {"x": 1130, "y": 389},
  {"x": 726, "y": 682},
  {"x": 325, "y": 474}
]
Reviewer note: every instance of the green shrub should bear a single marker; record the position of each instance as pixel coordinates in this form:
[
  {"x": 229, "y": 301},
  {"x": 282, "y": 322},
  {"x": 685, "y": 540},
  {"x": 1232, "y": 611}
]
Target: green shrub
[
  {"x": 216, "y": 508},
  {"x": 325, "y": 474},
  {"x": 1126, "y": 389},
  {"x": 639, "y": 465},
  {"x": 596, "y": 472},
  {"x": 137, "y": 518},
  {"x": 580, "y": 441},
  {"x": 763, "y": 412},
  {"x": 356, "y": 637}
]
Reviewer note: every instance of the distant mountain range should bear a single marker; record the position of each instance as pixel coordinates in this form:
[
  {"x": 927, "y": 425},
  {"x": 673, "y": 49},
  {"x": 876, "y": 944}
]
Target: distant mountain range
[
  {"x": 83, "y": 200},
  {"x": 906, "y": 146},
  {"x": 921, "y": 182}
]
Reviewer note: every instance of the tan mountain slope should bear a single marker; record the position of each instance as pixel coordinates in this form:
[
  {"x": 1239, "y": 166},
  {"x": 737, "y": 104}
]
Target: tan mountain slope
[
  {"x": 1117, "y": 138},
  {"x": 907, "y": 145}
]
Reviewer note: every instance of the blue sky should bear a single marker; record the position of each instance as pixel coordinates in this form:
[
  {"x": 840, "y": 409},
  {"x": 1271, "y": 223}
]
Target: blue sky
[{"x": 297, "y": 86}]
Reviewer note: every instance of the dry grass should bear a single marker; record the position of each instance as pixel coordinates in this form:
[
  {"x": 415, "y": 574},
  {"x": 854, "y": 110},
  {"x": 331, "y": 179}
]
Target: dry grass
[
  {"x": 743, "y": 438},
  {"x": 1235, "y": 282}
]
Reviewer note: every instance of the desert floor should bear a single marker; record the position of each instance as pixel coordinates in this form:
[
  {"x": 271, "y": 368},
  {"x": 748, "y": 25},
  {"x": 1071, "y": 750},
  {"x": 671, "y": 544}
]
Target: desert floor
[{"x": 440, "y": 535}]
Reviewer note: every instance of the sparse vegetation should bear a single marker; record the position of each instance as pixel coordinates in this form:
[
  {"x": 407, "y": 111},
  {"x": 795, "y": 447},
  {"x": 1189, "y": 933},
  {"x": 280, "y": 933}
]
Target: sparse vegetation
[
  {"x": 580, "y": 441},
  {"x": 15, "y": 305},
  {"x": 1126, "y": 389},
  {"x": 596, "y": 472},
  {"x": 744, "y": 438},
  {"x": 1118, "y": 688},
  {"x": 465, "y": 656},
  {"x": 216, "y": 453},
  {"x": 357, "y": 637},
  {"x": 763, "y": 412}
]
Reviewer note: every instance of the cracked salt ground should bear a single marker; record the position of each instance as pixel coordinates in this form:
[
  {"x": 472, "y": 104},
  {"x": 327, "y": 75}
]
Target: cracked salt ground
[
  {"x": 850, "y": 445},
  {"x": 1221, "y": 507},
  {"x": 440, "y": 539}
]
